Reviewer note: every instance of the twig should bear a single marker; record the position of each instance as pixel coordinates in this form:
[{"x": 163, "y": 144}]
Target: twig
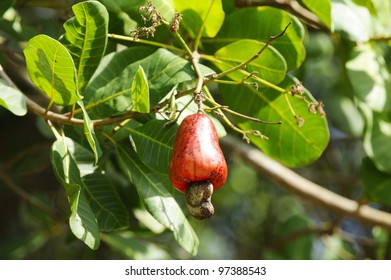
[
  {"x": 305, "y": 188},
  {"x": 25, "y": 195},
  {"x": 291, "y": 6},
  {"x": 202, "y": 28},
  {"x": 225, "y": 108},
  {"x": 248, "y": 117},
  {"x": 200, "y": 81},
  {"x": 245, "y": 63},
  {"x": 145, "y": 42},
  {"x": 229, "y": 123},
  {"x": 38, "y": 110}
]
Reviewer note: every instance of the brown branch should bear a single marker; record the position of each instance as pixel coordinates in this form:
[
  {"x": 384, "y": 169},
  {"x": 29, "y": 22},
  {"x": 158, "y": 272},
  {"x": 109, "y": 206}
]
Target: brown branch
[
  {"x": 38, "y": 110},
  {"x": 289, "y": 5},
  {"x": 245, "y": 63},
  {"x": 305, "y": 188}
]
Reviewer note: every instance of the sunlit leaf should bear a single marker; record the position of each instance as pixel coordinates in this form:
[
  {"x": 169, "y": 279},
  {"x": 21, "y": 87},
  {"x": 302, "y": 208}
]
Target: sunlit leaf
[
  {"x": 86, "y": 38},
  {"x": 270, "y": 65},
  {"x": 369, "y": 67},
  {"x": 165, "y": 7},
  {"x": 82, "y": 220},
  {"x": 289, "y": 143},
  {"x": 194, "y": 13},
  {"x": 104, "y": 200},
  {"x": 260, "y": 24},
  {"x": 158, "y": 201},
  {"x": 90, "y": 133},
  {"x": 351, "y": 21},
  {"x": 109, "y": 92},
  {"x": 366, "y": 3},
  {"x": 52, "y": 70},
  {"x": 321, "y": 8},
  {"x": 140, "y": 92},
  {"x": 95, "y": 205},
  {"x": 377, "y": 140},
  {"x": 13, "y": 100}
]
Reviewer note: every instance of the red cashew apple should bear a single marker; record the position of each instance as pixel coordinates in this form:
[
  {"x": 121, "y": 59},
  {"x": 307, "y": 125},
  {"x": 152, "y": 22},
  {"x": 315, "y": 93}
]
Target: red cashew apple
[{"x": 197, "y": 164}]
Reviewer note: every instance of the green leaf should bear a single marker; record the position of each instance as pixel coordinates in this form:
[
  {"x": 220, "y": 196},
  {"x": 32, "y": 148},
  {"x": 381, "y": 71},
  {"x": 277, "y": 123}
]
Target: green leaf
[
  {"x": 120, "y": 21},
  {"x": 135, "y": 248},
  {"x": 321, "y": 8},
  {"x": 270, "y": 65},
  {"x": 369, "y": 67},
  {"x": 140, "y": 92},
  {"x": 377, "y": 184},
  {"x": 361, "y": 20},
  {"x": 105, "y": 202},
  {"x": 366, "y": 3},
  {"x": 82, "y": 220},
  {"x": 381, "y": 24},
  {"x": 346, "y": 115},
  {"x": 194, "y": 13},
  {"x": 109, "y": 92},
  {"x": 154, "y": 143},
  {"x": 106, "y": 90},
  {"x": 260, "y": 24},
  {"x": 165, "y": 7},
  {"x": 52, "y": 70},
  {"x": 95, "y": 205},
  {"x": 351, "y": 21},
  {"x": 289, "y": 143},
  {"x": 86, "y": 38},
  {"x": 377, "y": 140},
  {"x": 13, "y": 100},
  {"x": 159, "y": 202},
  {"x": 89, "y": 132}
]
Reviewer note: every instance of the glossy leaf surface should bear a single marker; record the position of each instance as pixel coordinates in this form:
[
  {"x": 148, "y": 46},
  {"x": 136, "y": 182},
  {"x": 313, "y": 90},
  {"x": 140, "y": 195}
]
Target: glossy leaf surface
[
  {"x": 52, "y": 70},
  {"x": 289, "y": 143},
  {"x": 260, "y": 24},
  {"x": 86, "y": 38},
  {"x": 159, "y": 202}
]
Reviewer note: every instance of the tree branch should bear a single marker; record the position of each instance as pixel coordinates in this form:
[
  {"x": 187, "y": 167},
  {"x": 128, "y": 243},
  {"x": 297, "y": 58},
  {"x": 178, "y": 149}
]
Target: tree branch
[
  {"x": 305, "y": 188},
  {"x": 38, "y": 110},
  {"x": 245, "y": 63},
  {"x": 8, "y": 182},
  {"x": 291, "y": 6}
]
